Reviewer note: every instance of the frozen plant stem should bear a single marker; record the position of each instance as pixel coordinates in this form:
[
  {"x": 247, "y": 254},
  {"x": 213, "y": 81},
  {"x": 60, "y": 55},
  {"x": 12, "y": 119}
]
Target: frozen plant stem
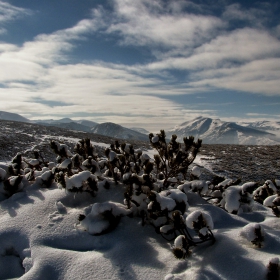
[{"x": 173, "y": 158}]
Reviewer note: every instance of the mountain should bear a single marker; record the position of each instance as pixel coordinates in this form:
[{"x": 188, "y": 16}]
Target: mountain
[
  {"x": 51, "y": 121},
  {"x": 118, "y": 131},
  {"x": 215, "y": 131},
  {"x": 12, "y": 117},
  {"x": 90, "y": 124},
  {"x": 80, "y": 125},
  {"x": 263, "y": 125},
  {"x": 141, "y": 130},
  {"x": 70, "y": 125},
  {"x": 268, "y": 126}
]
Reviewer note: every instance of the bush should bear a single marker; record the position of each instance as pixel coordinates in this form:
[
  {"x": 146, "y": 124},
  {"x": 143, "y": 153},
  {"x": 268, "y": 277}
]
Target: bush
[{"x": 156, "y": 189}]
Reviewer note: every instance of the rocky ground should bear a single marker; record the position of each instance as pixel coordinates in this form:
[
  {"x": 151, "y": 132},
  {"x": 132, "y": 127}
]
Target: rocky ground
[
  {"x": 249, "y": 163},
  {"x": 21, "y": 137}
]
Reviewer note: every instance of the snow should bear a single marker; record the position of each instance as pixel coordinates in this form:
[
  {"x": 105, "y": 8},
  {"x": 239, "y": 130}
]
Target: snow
[
  {"x": 112, "y": 155},
  {"x": 249, "y": 231},
  {"x": 232, "y": 198},
  {"x": 2, "y": 174},
  {"x": 179, "y": 241},
  {"x": 274, "y": 260},
  {"x": 196, "y": 171},
  {"x": 193, "y": 217},
  {"x": 216, "y": 131},
  {"x": 45, "y": 176},
  {"x": 200, "y": 186},
  {"x": 65, "y": 163},
  {"x": 41, "y": 236},
  {"x": 269, "y": 200},
  {"x": 271, "y": 185},
  {"x": 76, "y": 181},
  {"x": 155, "y": 139},
  {"x": 33, "y": 162}
]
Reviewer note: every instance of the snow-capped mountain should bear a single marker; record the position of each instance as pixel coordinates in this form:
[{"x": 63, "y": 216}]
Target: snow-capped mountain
[
  {"x": 118, "y": 131},
  {"x": 268, "y": 126},
  {"x": 12, "y": 117},
  {"x": 216, "y": 131},
  {"x": 263, "y": 125}
]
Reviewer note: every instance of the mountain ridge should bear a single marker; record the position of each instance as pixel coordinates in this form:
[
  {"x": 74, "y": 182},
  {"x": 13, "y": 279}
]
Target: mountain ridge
[
  {"x": 118, "y": 131},
  {"x": 12, "y": 117},
  {"x": 211, "y": 131},
  {"x": 216, "y": 131}
]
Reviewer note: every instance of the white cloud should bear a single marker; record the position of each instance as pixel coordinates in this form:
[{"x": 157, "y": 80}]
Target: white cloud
[
  {"x": 245, "y": 59},
  {"x": 100, "y": 90},
  {"x": 32, "y": 60},
  {"x": 257, "y": 15},
  {"x": 259, "y": 76},
  {"x": 147, "y": 23},
  {"x": 240, "y": 46},
  {"x": 10, "y": 12}
]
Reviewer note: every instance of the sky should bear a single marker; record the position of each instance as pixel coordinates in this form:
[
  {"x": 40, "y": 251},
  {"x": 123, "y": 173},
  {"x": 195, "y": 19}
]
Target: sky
[{"x": 141, "y": 63}]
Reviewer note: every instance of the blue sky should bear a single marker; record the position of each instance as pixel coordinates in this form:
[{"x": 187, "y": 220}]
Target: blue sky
[{"x": 152, "y": 64}]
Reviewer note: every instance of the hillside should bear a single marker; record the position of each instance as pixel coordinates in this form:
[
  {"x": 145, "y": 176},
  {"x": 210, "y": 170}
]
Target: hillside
[
  {"x": 68, "y": 125},
  {"x": 118, "y": 131},
  {"x": 20, "y": 137},
  {"x": 12, "y": 117},
  {"x": 236, "y": 161}
]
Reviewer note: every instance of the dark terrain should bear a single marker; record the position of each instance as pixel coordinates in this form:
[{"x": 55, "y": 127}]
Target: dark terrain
[
  {"x": 20, "y": 137},
  {"x": 249, "y": 163}
]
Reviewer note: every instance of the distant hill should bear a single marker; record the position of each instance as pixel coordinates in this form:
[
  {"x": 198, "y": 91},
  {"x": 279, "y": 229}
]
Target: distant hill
[
  {"x": 215, "y": 131},
  {"x": 211, "y": 131},
  {"x": 80, "y": 125},
  {"x": 49, "y": 121},
  {"x": 12, "y": 117},
  {"x": 141, "y": 130},
  {"x": 90, "y": 124},
  {"x": 118, "y": 131},
  {"x": 71, "y": 126}
]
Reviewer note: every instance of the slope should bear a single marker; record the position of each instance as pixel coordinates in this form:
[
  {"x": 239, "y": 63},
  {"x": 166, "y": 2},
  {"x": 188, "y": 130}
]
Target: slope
[
  {"x": 118, "y": 131},
  {"x": 12, "y": 117}
]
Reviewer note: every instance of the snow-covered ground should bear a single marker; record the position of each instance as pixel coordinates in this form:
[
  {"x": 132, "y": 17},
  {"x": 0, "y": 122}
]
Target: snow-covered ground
[{"x": 41, "y": 238}]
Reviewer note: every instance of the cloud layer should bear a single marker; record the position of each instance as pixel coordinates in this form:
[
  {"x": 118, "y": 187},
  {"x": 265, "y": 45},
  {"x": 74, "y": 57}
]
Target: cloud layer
[{"x": 232, "y": 48}]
